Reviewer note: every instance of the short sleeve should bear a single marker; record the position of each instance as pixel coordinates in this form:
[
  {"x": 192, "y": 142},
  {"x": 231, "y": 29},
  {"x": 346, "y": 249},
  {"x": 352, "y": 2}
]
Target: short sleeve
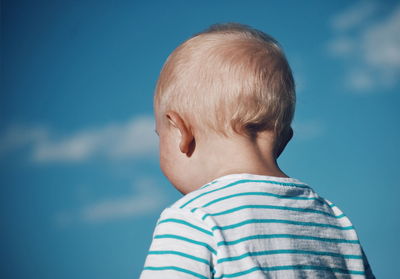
[{"x": 182, "y": 247}]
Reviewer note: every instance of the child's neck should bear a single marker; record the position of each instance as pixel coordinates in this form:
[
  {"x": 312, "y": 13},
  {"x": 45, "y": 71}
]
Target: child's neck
[{"x": 237, "y": 154}]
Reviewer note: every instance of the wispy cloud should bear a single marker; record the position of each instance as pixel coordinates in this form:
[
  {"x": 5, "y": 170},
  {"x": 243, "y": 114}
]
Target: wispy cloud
[
  {"x": 134, "y": 138},
  {"x": 298, "y": 69},
  {"x": 307, "y": 129},
  {"x": 354, "y": 16},
  {"x": 370, "y": 43},
  {"x": 145, "y": 198}
]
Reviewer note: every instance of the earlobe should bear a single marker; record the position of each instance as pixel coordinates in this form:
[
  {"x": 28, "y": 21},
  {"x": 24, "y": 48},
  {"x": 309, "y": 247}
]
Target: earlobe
[{"x": 186, "y": 144}]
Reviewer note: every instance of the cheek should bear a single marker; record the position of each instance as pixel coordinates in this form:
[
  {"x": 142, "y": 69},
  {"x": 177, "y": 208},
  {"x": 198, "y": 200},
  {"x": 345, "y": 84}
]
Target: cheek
[
  {"x": 171, "y": 164},
  {"x": 163, "y": 163},
  {"x": 165, "y": 157}
]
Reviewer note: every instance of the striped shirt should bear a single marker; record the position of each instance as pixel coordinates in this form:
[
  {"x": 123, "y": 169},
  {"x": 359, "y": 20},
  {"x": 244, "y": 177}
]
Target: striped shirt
[{"x": 254, "y": 226}]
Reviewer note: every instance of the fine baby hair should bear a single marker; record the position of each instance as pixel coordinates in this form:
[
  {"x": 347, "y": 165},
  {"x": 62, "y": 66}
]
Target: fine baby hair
[{"x": 230, "y": 78}]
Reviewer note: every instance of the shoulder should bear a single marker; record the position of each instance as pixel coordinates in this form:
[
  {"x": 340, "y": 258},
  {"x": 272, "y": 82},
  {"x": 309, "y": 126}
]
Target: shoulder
[
  {"x": 183, "y": 220},
  {"x": 176, "y": 227}
]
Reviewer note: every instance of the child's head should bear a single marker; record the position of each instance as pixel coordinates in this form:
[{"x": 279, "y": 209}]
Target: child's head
[{"x": 227, "y": 80}]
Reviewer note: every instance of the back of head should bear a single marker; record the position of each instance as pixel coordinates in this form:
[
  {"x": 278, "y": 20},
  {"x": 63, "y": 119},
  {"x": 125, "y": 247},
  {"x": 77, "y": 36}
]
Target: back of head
[{"x": 229, "y": 78}]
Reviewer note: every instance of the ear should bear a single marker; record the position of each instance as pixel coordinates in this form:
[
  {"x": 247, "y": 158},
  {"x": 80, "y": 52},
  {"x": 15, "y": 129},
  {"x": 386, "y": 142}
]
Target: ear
[{"x": 187, "y": 137}]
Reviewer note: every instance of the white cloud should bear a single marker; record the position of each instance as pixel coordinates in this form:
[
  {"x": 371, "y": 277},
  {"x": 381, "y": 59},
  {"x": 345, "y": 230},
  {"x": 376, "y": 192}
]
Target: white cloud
[
  {"x": 354, "y": 16},
  {"x": 381, "y": 46},
  {"x": 360, "y": 80},
  {"x": 114, "y": 141},
  {"x": 307, "y": 129},
  {"x": 341, "y": 46},
  {"x": 146, "y": 198},
  {"x": 17, "y": 136},
  {"x": 372, "y": 49},
  {"x": 298, "y": 69}
]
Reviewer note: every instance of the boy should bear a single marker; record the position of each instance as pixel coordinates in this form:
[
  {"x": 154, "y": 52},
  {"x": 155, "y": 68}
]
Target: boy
[{"x": 223, "y": 104}]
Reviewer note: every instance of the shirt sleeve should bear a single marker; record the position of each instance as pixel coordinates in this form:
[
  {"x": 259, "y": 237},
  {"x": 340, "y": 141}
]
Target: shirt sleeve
[{"x": 182, "y": 247}]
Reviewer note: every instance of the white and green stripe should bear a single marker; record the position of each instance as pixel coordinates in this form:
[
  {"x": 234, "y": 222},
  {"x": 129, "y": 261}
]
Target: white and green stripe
[{"x": 213, "y": 232}]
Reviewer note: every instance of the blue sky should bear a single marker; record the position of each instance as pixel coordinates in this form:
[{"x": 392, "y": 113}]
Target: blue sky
[{"x": 81, "y": 187}]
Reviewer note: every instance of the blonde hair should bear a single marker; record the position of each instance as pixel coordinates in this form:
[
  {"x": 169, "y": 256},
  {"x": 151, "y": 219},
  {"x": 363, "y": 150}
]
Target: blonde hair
[{"x": 229, "y": 77}]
